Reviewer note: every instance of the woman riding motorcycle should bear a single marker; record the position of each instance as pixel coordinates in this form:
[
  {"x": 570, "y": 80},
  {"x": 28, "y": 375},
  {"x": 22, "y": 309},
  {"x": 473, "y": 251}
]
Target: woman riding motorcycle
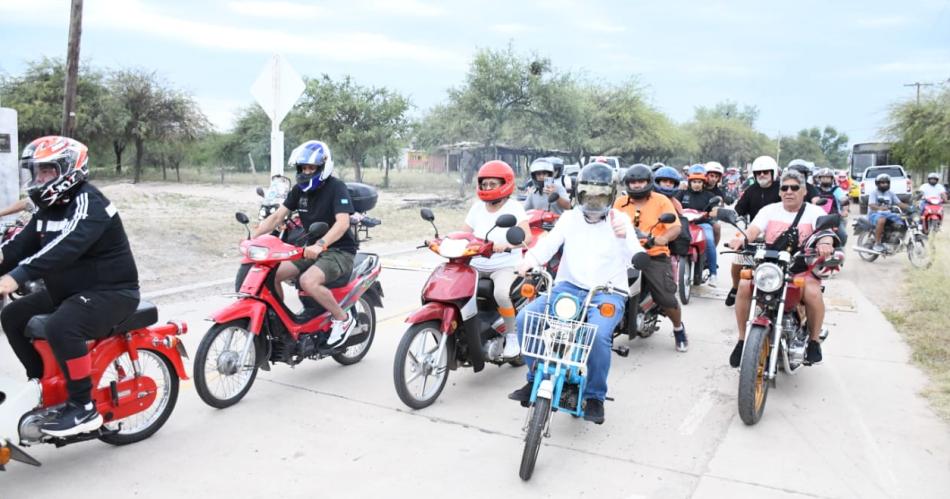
[{"x": 698, "y": 198}]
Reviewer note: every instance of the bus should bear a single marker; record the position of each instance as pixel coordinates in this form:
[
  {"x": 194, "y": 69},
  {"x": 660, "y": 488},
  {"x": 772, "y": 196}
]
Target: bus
[{"x": 863, "y": 156}]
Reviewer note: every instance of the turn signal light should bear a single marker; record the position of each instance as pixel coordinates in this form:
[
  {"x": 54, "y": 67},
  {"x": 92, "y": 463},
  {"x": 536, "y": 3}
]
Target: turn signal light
[
  {"x": 528, "y": 291},
  {"x": 4, "y": 456},
  {"x": 799, "y": 282},
  {"x": 607, "y": 309},
  {"x": 745, "y": 274}
]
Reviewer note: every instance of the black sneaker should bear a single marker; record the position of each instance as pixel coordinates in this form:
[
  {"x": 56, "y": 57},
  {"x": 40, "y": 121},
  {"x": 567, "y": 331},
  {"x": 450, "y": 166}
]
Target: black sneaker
[
  {"x": 731, "y": 297},
  {"x": 736, "y": 356},
  {"x": 522, "y": 394},
  {"x": 594, "y": 411},
  {"x": 682, "y": 344},
  {"x": 73, "y": 419},
  {"x": 812, "y": 353}
]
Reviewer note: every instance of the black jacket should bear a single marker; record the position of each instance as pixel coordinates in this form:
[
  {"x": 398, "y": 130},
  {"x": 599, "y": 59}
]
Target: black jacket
[
  {"x": 695, "y": 200},
  {"x": 75, "y": 247},
  {"x": 717, "y": 190},
  {"x": 755, "y": 197}
]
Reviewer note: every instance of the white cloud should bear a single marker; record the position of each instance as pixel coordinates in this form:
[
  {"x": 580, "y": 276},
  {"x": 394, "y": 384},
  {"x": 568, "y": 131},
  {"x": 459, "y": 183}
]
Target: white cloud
[
  {"x": 603, "y": 27},
  {"x": 938, "y": 68},
  {"x": 406, "y": 8},
  {"x": 882, "y": 22},
  {"x": 513, "y": 28},
  {"x": 278, "y": 10},
  {"x": 221, "y": 112}
]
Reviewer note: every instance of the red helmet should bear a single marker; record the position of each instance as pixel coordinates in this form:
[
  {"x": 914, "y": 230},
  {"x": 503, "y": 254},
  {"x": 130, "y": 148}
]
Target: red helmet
[
  {"x": 69, "y": 157},
  {"x": 500, "y": 170}
]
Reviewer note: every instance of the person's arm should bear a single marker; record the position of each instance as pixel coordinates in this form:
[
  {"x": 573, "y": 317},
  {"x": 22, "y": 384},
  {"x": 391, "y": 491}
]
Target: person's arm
[
  {"x": 546, "y": 246},
  {"x": 22, "y": 244},
  {"x": 17, "y": 206},
  {"x": 563, "y": 200},
  {"x": 270, "y": 223}
]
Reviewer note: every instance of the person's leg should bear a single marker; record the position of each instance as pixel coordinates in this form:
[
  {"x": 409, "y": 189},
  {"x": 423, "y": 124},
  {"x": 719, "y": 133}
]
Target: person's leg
[
  {"x": 711, "y": 254},
  {"x": 878, "y": 221},
  {"x": 815, "y": 308},
  {"x": 743, "y": 306},
  {"x": 523, "y": 394},
  {"x": 598, "y": 363},
  {"x": 287, "y": 271},
  {"x": 717, "y": 231},
  {"x": 734, "y": 273},
  {"x": 658, "y": 278},
  {"x": 503, "y": 280},
  {"x": 328, "y": 267},
  {"x": 843, "y": 232},
  {"x": 14, "y": 318}
]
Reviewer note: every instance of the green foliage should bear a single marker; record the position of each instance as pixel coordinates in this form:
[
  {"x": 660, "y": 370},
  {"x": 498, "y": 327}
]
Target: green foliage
[
  {"x": 726, "y": 134},
  {"x": 921, "y": 132},
  {"x": 824, "y": 147}
]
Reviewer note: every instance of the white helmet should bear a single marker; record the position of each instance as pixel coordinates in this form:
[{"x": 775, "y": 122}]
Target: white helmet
[
  {"x": 715, "y": 167},
  {"x": 316, "y": 153},
  {"x": 541, "y": 165},
  {"x": 765, "y": 163}
]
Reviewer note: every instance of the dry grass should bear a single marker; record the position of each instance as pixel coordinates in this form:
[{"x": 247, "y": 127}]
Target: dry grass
[{"x": 925, "y": 323}]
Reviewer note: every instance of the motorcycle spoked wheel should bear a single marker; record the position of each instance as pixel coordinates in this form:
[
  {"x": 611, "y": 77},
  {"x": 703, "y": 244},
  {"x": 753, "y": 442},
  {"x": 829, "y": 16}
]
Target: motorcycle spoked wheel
[
  {"x": 685, "y": 279},
  {"x": 540, "y": 412},
  {"x": 917, "y": 252},
  {"x": 218, "y": 380},
  {"x": 145, "y": 423},
  {"x": 866, "y": 241},
  {"x": 365, "y": 316},
  {"x": 753, "y": 371},
  {"x": 414, "y": 360}
]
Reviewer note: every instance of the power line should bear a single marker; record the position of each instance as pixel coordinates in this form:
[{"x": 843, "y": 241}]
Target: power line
[{"x": 918, "y": 85}]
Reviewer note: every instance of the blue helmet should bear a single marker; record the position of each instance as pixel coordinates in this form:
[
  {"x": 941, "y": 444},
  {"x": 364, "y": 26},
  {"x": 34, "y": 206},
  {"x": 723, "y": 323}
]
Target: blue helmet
[
  {"x": 316, "y": 153},
  {"x": 667, "y": 173}
]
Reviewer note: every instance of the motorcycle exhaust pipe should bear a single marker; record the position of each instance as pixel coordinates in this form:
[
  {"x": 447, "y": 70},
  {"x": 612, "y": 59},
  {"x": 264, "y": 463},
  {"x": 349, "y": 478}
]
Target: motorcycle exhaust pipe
[{"x": 861, "y": 249}]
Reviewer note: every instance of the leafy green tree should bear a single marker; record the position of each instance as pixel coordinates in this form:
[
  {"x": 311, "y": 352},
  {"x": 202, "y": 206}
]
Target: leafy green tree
[
  {"x": 726, "y": 134},
  {"x": 921, "y": 132}
]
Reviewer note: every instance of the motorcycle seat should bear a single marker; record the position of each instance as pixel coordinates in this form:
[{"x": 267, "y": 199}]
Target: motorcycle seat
[
  {"x": 360, "y": 262},
  {"x": 145, "y": 315}
]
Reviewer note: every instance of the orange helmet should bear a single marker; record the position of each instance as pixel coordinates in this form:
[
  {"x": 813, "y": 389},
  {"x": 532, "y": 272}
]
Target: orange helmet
[
  {"x": 69, "y": 157},
  {"x": 500, "y": 170}
]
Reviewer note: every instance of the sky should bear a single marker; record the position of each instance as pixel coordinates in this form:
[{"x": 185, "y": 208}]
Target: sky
[{"x": 802, "y": 63}]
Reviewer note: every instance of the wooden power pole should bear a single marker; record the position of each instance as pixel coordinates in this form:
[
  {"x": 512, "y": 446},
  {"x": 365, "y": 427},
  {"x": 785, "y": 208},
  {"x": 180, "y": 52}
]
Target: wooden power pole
[
  {"x": 72, "y": 68},
  {"x": 918, "y": 85}
]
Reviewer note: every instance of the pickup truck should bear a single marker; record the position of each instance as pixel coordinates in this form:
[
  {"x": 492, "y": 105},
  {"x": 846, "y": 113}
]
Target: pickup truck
[{"x": 900, "y": 183}]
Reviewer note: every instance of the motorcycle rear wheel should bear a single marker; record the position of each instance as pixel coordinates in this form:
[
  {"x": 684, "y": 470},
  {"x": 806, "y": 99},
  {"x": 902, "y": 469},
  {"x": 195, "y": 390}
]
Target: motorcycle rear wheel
[
  {"x": 235, "y": 385},
  {"x": 144, "y": 424},
  {"x": 412, "y": 361},
  {"x": 685, "y": 279},
  {"x": 753, "y": 372},
  {"x": 540, "y": 413},
  {"x": 866, "y": 241}
]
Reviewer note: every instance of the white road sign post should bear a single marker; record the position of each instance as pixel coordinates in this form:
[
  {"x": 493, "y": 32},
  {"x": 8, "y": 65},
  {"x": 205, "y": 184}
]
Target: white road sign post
[{"x": 276, "y": 90}]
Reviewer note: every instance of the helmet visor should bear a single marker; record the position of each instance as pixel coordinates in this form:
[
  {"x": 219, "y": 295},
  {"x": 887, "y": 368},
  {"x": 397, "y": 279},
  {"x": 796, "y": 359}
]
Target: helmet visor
[{"x": 595, "y": 197}]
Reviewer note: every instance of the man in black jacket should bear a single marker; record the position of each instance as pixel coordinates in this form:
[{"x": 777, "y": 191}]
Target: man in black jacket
[
  {"x": 764, "y": 191},
  {"x": 75, "y": 242}
]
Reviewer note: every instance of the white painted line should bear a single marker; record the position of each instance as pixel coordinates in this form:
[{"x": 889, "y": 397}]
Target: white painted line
[{"x": 697, "y": 414}]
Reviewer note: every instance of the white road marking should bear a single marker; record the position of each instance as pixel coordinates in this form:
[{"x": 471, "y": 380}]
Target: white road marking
[{"x": 696, "y": 415}]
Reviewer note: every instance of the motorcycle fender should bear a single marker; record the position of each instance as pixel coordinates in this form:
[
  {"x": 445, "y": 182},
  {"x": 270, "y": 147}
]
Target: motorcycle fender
[
  {"x": 17, "y": 397},
  {"x": 245, "y": 308},
  {"x": 152, "y": 341},
  {"x": 447, "y": 315},
  {"x": 374, "y": 295},
  {"x": 546, "y": 390},
  {"x": 762, "y": 320}
]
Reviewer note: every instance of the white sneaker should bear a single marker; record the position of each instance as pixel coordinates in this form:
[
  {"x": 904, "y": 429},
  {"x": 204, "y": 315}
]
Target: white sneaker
[
  {"x": 512, "y": 347},
  {"x": 340, "y": 330},
  {"x": 712, "y": 280}
]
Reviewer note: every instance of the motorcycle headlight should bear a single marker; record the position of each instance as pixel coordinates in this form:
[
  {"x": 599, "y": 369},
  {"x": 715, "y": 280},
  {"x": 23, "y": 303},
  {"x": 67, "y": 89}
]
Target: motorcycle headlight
[
  {"x": 453, "y": 248},
  {"x": 768, "y": 277},
  {"x": 566, "y": 307},
  {"x": 257, "y": 252}
]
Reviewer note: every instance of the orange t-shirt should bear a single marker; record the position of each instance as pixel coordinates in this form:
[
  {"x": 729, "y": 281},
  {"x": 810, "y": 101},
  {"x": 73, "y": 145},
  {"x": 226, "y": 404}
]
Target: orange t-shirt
[{"x": 646, "y": 215}]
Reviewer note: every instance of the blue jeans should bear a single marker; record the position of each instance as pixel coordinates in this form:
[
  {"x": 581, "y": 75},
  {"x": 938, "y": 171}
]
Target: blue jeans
[
  {"x": 598, "y": 364},
  {"x": 711, "y": 255},
  {"x": 893, "y": 217}
]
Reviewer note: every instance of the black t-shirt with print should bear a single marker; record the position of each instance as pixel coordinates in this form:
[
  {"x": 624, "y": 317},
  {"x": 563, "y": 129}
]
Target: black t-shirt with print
[{"x": 322, "y": 205}]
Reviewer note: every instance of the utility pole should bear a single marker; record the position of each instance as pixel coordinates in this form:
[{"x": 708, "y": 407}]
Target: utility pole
[
  {"x": 918, "y": 85},
  {"x": 72, "y": 68}
]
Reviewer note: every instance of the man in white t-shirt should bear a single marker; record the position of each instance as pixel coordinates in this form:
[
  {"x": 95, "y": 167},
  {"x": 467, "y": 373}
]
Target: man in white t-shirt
[
  {"x": 772, "y": 220},
  {"x": 932, "y": 188}
]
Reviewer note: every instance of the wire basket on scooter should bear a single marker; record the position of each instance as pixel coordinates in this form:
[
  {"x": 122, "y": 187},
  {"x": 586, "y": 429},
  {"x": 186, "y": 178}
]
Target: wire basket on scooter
[{"x": 548, "y": 338}]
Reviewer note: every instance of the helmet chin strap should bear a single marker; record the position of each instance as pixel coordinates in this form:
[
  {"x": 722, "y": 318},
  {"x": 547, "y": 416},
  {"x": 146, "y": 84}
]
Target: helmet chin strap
[{"x": 496, "y": 202}]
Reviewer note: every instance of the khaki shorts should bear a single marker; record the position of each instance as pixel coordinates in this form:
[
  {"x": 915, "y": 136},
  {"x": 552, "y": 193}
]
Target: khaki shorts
[{"x": 332, "y": 262}]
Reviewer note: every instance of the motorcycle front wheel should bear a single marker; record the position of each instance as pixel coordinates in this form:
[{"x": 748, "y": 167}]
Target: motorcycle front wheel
[
  {"x": 540, "y": 413},
  {"x": 917, "y": 252},
  {"x": 221, "y": 379},
  {"x": 685, "y": 279},
  {"x": 144, "y": 424},
  {"x": 866, "y": 241},
  {"x": 419, "y": 369},
  {"x": 753, "y": 372}
]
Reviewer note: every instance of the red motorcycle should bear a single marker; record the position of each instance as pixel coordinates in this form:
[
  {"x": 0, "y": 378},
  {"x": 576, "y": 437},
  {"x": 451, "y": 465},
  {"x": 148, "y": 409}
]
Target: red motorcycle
[
  {"x": 541, "y": 222},
  {"x": 932, "y": 217},
  {"x": 135, "y": 372},
  {"x": 692, "y": 268},
  {"x": 458, "y": 323},
  {"x": 258, "y": 328}
]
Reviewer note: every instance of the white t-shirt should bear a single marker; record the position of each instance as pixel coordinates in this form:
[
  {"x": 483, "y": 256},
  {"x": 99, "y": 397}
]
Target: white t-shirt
[
  {"x": 931, "y": 190},
  {"x": 481, "y": 221},
  {"x": 773, "y": 220}
]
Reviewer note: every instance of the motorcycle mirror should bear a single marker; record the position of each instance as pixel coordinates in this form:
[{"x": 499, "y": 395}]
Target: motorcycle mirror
[
  {"x": 427, "y": 214},
  {"x": 318, "y": 230},
  {"x": 260, "y": 191},
  {"x": 641, "y": 260},
  {"x": 667, "y": 218},
  {"x": 553, "y": 197},
  {"x": 515, "y": 236},
  {"x": 242, "y": 218},
  {"x": 821, "y": 202},
  {"x": 826, "y": 222},
  {"x": 727, "y": 215},
  {"x": 506, "y": 220},
  {"x": 714, "y": 202}
]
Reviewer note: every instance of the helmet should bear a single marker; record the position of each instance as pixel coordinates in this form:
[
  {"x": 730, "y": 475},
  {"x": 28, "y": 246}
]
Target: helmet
[
  {"x": 765, "y": 163},
  {"x": 800, "y": 166},
  {"x": 696, "y": 172},
  {"x": 825, "y": 172},
  {"x": 827, "y": 267},
  {"x": 70, "y": 158},
  {"x": 316, "y": 153},
  {"x": 882, "y": 179},
  {"x": 656, "y": 166},
  {"x": 714, "y": 167},
  {"x": 638, "y": 171},
  {"x": 500, "y": 170},
  {"x": 596, "y": 191},
  {"x": 558, "y": 165},
  {"x": 540, "y": 165},
  {"x": 933, "y": 176},
  {"x": 668, "y": 173}
]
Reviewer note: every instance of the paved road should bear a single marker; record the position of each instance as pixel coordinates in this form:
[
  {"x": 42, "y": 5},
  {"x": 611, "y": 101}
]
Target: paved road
[{"x": 852, "y": 427}]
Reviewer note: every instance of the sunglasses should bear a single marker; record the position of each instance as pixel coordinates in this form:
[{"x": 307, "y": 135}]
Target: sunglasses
[
  {"x": 793, "y": 188},
  {"x": 762, "y": 174}
]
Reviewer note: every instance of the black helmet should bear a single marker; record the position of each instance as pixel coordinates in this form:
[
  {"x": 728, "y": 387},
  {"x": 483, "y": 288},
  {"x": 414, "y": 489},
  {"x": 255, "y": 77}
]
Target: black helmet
[
  {"x": 596, "y": 191},
  {"x": 800, "y": 168},
  {"x": 558, "y": 165},
  {"x": 638, "y": 171}
]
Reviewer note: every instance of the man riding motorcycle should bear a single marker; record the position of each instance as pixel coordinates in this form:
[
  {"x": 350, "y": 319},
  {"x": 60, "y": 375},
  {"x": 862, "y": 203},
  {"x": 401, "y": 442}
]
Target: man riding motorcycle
[
  {"x": 318, "y": 196},
  {"x": 764, "y": 191},
  {"x": 76, "y": 243},
  {"x": 542, "y": 185},
  {"x": 837, "y": 199},
  {"x": 801, "y": 166},
  {"x": 932, "y": 188},
  {"x": 644, "y": 208},
  {"x": 777, "y": 222},
  {"x": 697, "y": 197},
  {"x": 598, "y": 244},
  {"x": 714, "y": 174},
  {"x": 880, "y": 202}
]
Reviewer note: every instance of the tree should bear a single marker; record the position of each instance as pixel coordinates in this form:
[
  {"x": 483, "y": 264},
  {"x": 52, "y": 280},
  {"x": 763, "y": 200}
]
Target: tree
[
  {"x": 726, "y": 134},
  {"x": 921, "y": 132},
  {"x": 802, "y": 146}
]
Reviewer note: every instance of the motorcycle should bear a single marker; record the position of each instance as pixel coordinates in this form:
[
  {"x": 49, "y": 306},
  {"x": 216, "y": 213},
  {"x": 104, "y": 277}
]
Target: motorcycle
[
  {"x": 259, "y": 329},
  {"x": 135, "y": 371},
  {"x": 777, "y": 326},
  {"x": 692, "y": 269},
  {"x": 560, "y": 341},
  {"x": 458, "y": 324},
  {"x": 641, "y": 313},
  {"x": 896, "y": 238},
  {"x": 932, "y": 217},
  {"x": 541, "y": 222},
  {"x": 8, "y": 231}
]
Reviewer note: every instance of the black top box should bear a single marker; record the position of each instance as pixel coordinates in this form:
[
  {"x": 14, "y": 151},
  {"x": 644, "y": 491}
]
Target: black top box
[{"x": 364, "y": 196}]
